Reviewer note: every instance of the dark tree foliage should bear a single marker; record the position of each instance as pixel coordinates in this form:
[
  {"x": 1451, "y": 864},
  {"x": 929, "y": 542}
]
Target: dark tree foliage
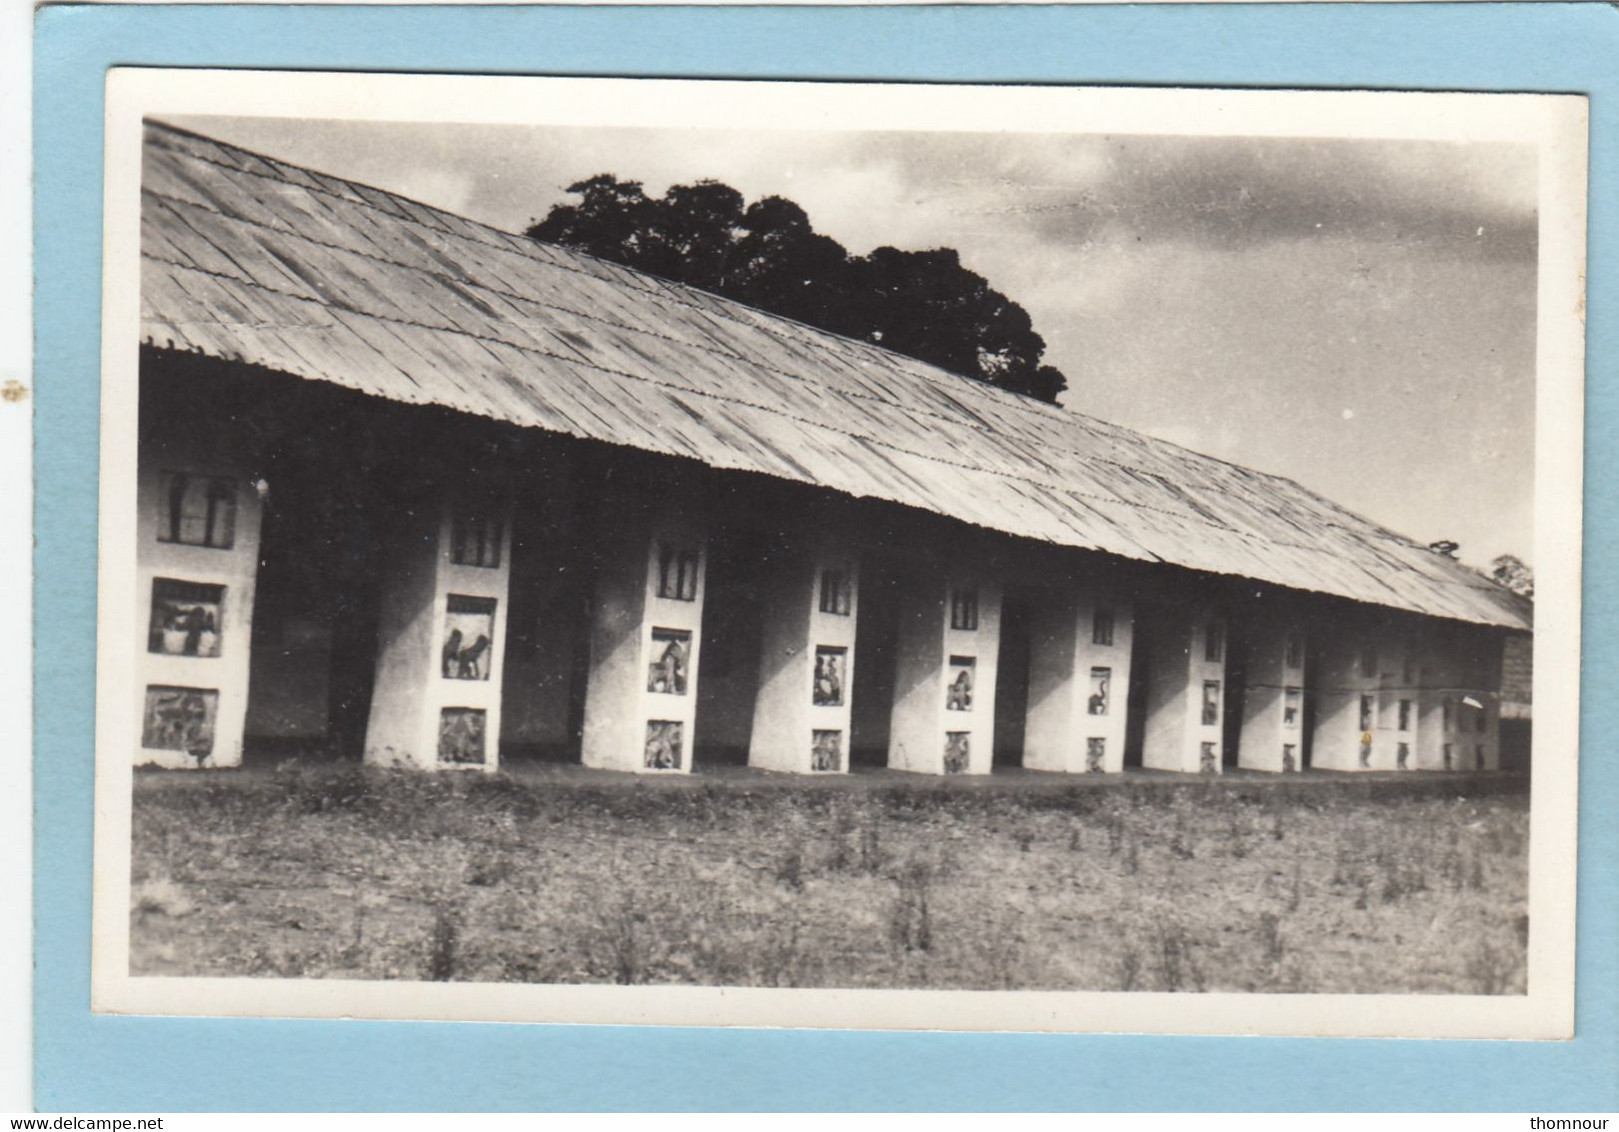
[
  {"x": 1512, "y": 572},
  {"x": 768, "y": 255}
]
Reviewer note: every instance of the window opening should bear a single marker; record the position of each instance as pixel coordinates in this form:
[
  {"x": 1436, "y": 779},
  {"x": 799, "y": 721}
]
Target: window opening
[
  {"x": 1102, "y": 626},
  {"x": 835, "y": 592},
  {"x": 198, "y": 510}
]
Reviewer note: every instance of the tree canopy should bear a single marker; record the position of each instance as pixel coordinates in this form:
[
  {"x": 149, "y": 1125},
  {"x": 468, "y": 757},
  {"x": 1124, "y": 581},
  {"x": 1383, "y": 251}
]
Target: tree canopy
[
  {"x": 1512, "y": 572},
  {"x": 767, "y": 254}
]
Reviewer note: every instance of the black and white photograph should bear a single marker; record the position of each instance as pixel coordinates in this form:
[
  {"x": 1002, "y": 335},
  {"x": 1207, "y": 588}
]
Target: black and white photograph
[{"x": 834, "y": 554}]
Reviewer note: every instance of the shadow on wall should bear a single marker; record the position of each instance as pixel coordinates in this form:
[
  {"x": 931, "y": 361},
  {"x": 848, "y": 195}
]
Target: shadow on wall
[
  {"x": 1516, "y": 740},
  {"x": 1012, "y": 679},
  {"x": 728, "y": 677}
]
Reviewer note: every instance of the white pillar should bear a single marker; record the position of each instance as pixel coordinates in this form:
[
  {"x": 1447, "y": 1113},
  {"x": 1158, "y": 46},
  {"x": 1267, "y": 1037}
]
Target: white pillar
[
  {"x": 1186, "y": 692},
  {"x": 1368, "y": 709},
  {"x": 1397, "y": 721},
  {"x": 196, "y": 571},
  {"x": 645, "y": 644},
  {"x": 801, "y": 710},
  {"x": 1079, "y": 681},
  {"x": 1438, "y": 699},
  {"x": 1273, "y": 699},
  {"x": 1346, "y": 707},
  {"x": 442, "y": 640},
  {"x": 943, "y": 719}
]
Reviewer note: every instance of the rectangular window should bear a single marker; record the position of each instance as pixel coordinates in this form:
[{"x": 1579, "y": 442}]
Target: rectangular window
[
  {"x": 831, "y": 673},
  {"x": 1208, "y": 759},
  {"x": 1367, "y": 710},
  {"x": 826, "y": 750},
  {"x": 1095, "y": 752},
  {"x": 1292, "y": 707},
  {"x": 475, "y": 540},
  {"x": 1102, "y": 626},
  {"x": 1214, "y": 641},
  {"x": 1368, "y": 661},
  {"x": 1211, "y": 702},
  {"x": 1293, "y": 653},
  {"x": 1101, "y": 691},
  {"x": 184, "y": 618},
  {"x": 469, "y": 637},
  {"x": 1405, "y": 715},
  {"x": 670, "y": 665},
  {"x": 665, "y": 739},
  {"x": 180, "y": 719},
  {"x": 835, "y": 592},
  {"x": 964, "y": 609},
  {"x": 677, "y": 573},
  {"x": 197, "y": 510},
  {"x": 958, "y": 695},
  {"x": 1290, "y": 758},
  {"x": 461, "y": 735},
  {"x": 957, "y": 751}
]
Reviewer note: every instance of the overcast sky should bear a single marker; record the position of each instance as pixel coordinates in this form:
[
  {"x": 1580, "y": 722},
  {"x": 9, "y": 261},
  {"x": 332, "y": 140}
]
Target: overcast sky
[{"x": 1356, "y": 315}]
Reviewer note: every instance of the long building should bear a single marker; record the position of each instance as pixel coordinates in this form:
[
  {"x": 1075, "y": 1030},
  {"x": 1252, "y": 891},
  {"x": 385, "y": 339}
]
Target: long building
[{"x": 428, "y": 493}]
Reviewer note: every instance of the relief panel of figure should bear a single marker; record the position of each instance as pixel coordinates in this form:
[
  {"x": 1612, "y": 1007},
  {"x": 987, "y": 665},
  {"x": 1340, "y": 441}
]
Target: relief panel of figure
[
  {"x": 959, "y": 692},
  {"x": 664, "y": 743},
  {"x": 671, "y": 658},
  {"x": 180, "y": 719},
  {"x": 469, "y": 634},
  {"x": 831, "y": 670},
  {"x": 461, "y": 736},
  {"x": 185, "y": 618},
  {"x": 826, "y": 750}
]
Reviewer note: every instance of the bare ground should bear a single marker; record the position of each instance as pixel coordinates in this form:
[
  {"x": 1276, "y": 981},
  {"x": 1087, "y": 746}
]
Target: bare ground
[{"x": 1409, "y": 885}]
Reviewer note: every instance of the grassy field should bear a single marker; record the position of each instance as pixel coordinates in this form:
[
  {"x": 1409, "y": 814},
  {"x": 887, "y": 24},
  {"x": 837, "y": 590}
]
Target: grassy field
[{"x": 1343, "y": 886}]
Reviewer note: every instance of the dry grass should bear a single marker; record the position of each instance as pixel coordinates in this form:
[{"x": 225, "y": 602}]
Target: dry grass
[{"x": 380, "y": 875}]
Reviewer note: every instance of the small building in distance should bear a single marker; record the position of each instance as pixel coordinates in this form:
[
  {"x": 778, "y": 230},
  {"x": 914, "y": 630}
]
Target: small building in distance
[
  {"x": 422, "y": 492},
  {"x": 1517, "y": 700}
]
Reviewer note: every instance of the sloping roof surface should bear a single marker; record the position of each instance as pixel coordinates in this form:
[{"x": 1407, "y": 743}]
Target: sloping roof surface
[{"x": 252, "y": 259}]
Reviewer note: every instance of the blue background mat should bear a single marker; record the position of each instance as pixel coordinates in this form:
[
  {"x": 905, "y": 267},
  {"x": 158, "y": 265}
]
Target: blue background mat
[{"x": 170, "y": 1064}]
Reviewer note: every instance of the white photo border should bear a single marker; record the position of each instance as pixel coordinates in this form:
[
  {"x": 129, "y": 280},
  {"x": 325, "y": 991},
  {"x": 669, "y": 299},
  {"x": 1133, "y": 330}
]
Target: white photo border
[{"x": 1556, "y": 123}]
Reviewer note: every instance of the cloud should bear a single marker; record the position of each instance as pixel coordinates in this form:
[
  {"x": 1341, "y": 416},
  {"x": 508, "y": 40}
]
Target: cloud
[{"x": 1460, "y": 199}]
